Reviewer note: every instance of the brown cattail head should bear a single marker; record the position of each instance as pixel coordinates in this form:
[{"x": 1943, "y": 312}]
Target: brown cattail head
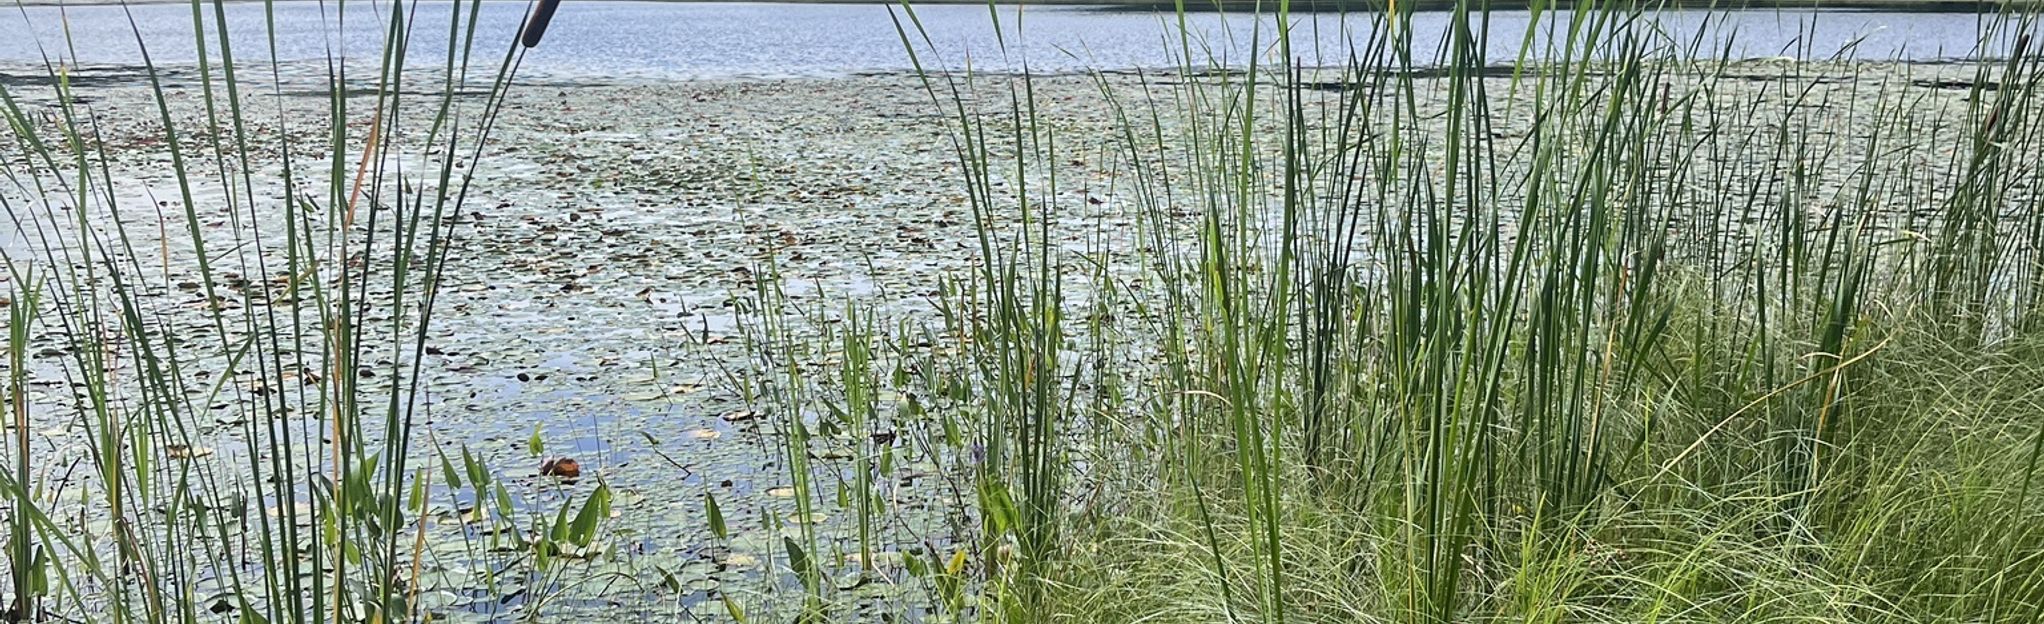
[{"x": 535, "y": 26}]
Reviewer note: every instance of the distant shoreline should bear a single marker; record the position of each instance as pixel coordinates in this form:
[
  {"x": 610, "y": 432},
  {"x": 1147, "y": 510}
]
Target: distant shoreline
[{"x": 1926, "y": 6}]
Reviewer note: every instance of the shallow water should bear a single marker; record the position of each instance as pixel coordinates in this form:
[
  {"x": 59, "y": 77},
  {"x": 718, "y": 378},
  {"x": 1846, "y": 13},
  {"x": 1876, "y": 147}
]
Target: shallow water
[
  {"x": 655, "y": 40},
  {"x": 654, "y": 218}
]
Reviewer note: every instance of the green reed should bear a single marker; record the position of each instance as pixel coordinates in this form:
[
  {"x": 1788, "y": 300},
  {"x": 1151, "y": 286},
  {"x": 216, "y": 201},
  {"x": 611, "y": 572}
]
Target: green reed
[
  {"x": 296, "y": 344},
  {"x": 1584, "y": 339},
  {"x": 1624, "y": 331}
]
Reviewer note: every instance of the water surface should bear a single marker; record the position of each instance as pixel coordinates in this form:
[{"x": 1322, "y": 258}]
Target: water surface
[{"x": 601, "y": 39}]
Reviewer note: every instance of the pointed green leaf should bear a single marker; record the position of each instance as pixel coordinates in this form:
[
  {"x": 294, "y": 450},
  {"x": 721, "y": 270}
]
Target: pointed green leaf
[
  {"x": 593, "y": 512},
  {"x": 716, "y": 515}
]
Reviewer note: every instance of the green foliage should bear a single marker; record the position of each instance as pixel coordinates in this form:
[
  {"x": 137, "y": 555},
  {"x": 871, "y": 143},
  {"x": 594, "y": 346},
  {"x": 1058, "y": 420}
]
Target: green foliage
[
  {"x": 317, "y": 264},
  {"x": 1627, "y": 333},
  {"x": 1618, "y": 337}
]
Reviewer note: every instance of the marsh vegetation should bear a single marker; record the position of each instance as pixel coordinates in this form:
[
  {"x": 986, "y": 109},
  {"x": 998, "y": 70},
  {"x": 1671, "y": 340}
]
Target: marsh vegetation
[{"x": 1625, "y": 330}]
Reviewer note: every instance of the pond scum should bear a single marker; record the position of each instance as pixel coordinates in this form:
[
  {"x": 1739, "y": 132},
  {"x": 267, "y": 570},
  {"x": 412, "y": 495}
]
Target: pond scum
[{"x": 1607, "y": 334}]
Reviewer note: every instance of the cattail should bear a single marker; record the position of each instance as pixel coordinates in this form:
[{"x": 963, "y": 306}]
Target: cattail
[{"x": 535, "y": 27}]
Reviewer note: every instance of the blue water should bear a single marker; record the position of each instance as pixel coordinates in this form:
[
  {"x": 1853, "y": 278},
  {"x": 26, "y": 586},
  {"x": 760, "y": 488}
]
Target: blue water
[{"x": 600, "y": 39}]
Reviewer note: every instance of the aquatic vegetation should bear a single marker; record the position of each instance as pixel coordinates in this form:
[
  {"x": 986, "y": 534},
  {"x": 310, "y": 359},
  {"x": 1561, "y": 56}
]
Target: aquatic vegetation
[
  {"x": 247, "y": 410},
  {"x": 1604, "y": 335},
  {"x": 1624, "y": 331}
]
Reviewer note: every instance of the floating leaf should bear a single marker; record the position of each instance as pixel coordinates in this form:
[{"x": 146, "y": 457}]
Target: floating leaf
[
  {"x": 302, "y": 511},
  {"x": 180, "y": 451},
  {"x": 882, "y": 559}
]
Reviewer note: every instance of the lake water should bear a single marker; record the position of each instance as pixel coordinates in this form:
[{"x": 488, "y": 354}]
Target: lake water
[{"x": 591, "y": 39}]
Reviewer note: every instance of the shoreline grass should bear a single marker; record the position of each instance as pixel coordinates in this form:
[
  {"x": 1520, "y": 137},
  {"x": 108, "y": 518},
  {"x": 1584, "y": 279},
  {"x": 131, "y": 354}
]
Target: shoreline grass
[
  {"x": 1632, "y": 333},
  {"x": 1414, "y": 371}
]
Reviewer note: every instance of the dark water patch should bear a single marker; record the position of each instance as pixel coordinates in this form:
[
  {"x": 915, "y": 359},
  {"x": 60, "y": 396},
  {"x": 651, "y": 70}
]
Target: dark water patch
[{"x": 1957, "y": 85}]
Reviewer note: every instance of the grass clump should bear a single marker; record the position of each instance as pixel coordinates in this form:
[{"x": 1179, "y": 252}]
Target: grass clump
[{"x": 1624, "y": 331}]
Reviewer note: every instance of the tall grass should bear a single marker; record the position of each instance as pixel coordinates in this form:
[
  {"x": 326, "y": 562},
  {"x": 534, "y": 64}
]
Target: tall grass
[
  {"x": 1621, "y": 331},
  {"x": 229, "y": 380}
]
